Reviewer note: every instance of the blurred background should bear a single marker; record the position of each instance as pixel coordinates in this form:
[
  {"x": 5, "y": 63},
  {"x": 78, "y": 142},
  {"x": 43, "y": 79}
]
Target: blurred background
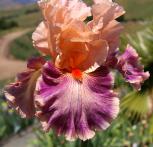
[{"x": 133, "y": 127}]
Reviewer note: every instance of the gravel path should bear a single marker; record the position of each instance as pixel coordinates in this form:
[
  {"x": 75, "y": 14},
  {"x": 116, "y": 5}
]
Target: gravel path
[{"x": 9, "y": 67}]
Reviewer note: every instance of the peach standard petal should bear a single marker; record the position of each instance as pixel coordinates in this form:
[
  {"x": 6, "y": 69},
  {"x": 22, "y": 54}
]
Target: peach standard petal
[
  {"x": 58, "y": 14},
  {"x": 107, "y": 9},
  {"x": 71, "y": 8},
  {"x": 40, "y": 38},
  {"x": 79, "y": 48},
  {"x": 72, "y": 42},
  {"x": 97, "y": 54},
  {"x": 73, "y": 45},
  {"x": 104, "y": 23},
  {"x": 112, "y": 37},
  {"x": 87, "y": 55}
]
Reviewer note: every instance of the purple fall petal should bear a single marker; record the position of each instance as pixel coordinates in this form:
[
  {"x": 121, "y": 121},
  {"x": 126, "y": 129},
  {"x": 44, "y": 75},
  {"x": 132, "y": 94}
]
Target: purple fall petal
[
  {"x": 35, "y": 63},
  {"x": 130, "y": 67},
  {"x": 112, "y": 60},
  {"x": 20, "y": 95},
  {"x": 75, "y": 108}
]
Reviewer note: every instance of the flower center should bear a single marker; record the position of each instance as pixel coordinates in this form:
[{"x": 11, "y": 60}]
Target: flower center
[{"x": 77, "y": 74}]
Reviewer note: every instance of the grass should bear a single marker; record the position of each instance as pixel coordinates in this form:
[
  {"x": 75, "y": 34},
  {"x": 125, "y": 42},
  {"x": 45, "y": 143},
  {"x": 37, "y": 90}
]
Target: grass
[
  {"x": 10, "y": 122},
  {"x": 137, "y": 9},
  {"x": 121, "y": 133},
  {"x": 25, "y": 17},
  {"x": 22, "y": 47},
  {"x": 133, "y": 27}
]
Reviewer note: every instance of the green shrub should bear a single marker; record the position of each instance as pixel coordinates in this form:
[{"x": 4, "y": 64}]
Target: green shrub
[
  {"x": 22, "y": 47},
  {"x": 6, "y": 24}
]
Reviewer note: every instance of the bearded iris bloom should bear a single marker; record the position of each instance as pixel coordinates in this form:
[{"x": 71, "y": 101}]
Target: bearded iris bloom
[{"x": 73, "y": 91}]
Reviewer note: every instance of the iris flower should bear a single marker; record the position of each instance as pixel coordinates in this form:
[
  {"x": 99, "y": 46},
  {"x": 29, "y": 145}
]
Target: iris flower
[{"x": 72, "y": 92}]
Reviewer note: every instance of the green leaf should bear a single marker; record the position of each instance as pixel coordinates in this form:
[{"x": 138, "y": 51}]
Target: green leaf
[{"x": 136, "y": 104}]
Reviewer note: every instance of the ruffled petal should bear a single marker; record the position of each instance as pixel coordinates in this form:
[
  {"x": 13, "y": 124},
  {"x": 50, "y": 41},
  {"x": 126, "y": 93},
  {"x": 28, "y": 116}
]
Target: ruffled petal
[
  {"x": 83, "y": 55},
  {"x": 71, "y": 8},
  {"x": 106, "y": 9},
  {"x": 98, "y": 51},
  {"x": 20, "y": 95},
  {"x": 58, "y": 16},
  {"x": 40, "y": 38},
  {"x": 112, "y": 36},
  {"x": 104, "y": 23},
  {"x": 75, "y": 108},
  {"x": 77, "y": 31},
  {"x": 77, "y": 48},
  {"x": 131, "y": 68},
  {"x": 79, "y": 8}
]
